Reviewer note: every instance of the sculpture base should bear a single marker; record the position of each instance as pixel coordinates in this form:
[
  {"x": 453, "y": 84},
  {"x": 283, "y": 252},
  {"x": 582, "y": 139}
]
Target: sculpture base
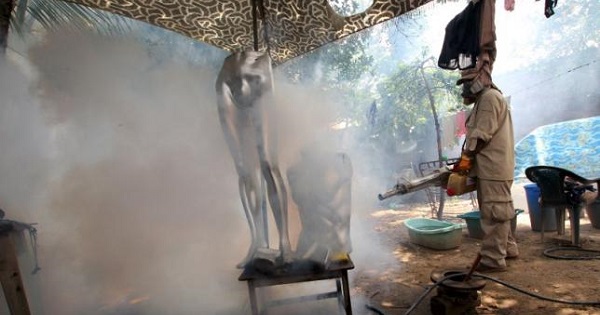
[{"x": 268, "y": 262}]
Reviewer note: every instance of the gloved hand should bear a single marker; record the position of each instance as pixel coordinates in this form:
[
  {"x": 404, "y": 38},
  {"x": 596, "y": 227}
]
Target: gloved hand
[{"x": 463, "y": 165}]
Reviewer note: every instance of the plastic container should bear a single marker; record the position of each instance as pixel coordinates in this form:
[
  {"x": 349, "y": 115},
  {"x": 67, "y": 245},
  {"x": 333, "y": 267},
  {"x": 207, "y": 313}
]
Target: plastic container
[
  {"x": 593, "y": 213},
  {"x": 459, "y": 185},
  {"x": 433, "y": 233},
  {"x": 473, "y": 220},
  {"x": 532, "y": 192}
]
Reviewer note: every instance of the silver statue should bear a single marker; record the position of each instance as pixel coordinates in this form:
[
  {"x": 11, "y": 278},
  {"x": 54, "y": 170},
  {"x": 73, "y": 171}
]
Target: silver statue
[
  {"x": 320, "y": 185},
  {"x": 245, "y": 102}
]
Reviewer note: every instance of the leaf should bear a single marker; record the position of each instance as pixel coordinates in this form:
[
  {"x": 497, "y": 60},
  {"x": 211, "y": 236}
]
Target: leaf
[{"x": 55, "y": 14}]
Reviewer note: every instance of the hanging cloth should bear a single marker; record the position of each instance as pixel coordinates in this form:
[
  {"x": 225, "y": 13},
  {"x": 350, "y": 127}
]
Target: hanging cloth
[
  {"x": 461, "y": 41},
  {"x": 549, "y": 6},
  {"x": 461, "y": 124},
  {"x": 487, "y": 55}
]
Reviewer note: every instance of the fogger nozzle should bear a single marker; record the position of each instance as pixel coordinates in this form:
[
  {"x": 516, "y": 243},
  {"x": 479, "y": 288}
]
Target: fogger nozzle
[
  {"x": 399, "y": 189},
  {"x": 437, "y": 178}
]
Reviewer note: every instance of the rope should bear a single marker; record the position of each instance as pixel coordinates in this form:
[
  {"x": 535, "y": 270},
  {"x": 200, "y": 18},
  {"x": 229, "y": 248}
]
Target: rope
[
  {"x": 575, "y": 68},
  {"x": 255, "y": 24},
  {"x": 265, "y": 25},
  {"x": 541, "y": 297}
]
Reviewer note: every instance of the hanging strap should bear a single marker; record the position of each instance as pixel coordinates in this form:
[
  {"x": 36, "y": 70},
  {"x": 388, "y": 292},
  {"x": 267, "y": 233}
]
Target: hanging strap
[{"x": 255, "y": 23}]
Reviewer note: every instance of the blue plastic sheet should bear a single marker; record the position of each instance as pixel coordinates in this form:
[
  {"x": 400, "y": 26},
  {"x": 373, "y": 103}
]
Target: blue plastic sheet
[{"x": 573, "y": 145}]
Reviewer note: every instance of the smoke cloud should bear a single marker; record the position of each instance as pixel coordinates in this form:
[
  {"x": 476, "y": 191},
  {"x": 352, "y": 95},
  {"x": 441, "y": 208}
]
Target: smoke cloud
[{"x": 122, "y": 163}]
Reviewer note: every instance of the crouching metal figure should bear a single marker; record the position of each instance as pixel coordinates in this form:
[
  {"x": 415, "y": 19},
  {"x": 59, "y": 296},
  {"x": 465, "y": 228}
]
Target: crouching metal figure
[
  {"x": 245, "y": 103},
  {"x": 320, "y": 185}
]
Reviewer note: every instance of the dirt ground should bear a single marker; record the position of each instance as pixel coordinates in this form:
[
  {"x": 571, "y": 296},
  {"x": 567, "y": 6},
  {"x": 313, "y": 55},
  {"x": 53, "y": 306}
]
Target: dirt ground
[{"x": 394, "y": 290}]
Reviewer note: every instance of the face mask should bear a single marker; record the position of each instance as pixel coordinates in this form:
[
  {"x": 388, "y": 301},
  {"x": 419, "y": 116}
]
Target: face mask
[
  {"x": 471, "y": 88},
  {"x": 466, "y": 89}
]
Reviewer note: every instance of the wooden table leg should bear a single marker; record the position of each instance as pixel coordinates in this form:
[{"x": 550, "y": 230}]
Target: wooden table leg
[
  {"x": 340, "y": 294},
  {"x": 346, "y": 291},
  {"x": 252, "y": 294},
  {"x": 575, "y": 226},
  {"x": 10, "y": 277}
]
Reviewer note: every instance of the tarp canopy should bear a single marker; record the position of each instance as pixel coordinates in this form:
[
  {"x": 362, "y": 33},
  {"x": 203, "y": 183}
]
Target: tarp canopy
[{"x": 294, "y": 27}]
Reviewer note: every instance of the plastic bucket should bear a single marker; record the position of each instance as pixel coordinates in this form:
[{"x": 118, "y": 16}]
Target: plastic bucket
[
  {"x": 532, "y": 192},
  {"x": 473, "y": 220}
]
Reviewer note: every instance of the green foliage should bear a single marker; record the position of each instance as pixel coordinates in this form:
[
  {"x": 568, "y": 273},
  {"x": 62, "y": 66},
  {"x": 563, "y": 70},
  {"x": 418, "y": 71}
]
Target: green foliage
[
  {"x": 403, "y": 104},
  {"x": 574, "y": 27},
  {"x": 52, "y": 14},
  {"x": 400, "y": 94},
  {"x": 339, "y": 67},
  {"x": 345, "y": 60},
  {"x": 403, "y": 107},
  {"x": 333, "y": 64}
]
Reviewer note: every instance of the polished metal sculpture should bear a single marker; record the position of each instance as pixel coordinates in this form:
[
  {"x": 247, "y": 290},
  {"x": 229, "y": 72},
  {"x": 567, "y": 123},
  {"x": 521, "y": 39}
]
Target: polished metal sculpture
[
  {"x": 245, "y": 103},
  {"x": 320, "y": 185}
]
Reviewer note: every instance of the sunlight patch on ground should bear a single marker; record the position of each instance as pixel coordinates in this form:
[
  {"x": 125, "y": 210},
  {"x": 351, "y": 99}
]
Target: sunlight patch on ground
[
  {"x": 383, "y": 213},
  {"x": 496, "y": 303},
  {"x": 508, "y": 303},
  {"x": 403, "y": 257},
  {"x": 572, "y": 311},
  {"x": 396, "y": 223}
]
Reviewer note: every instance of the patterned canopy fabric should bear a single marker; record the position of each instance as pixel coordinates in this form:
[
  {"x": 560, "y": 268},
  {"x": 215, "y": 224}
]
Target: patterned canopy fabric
[{"x": 294, "y": 27}]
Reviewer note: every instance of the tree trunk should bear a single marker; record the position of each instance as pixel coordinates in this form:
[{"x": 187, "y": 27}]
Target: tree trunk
[{"x": 438, "y": 135}]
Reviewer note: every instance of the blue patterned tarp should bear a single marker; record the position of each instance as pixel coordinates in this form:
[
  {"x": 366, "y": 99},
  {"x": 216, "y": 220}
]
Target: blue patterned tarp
[{"x": 573, "y": 145}]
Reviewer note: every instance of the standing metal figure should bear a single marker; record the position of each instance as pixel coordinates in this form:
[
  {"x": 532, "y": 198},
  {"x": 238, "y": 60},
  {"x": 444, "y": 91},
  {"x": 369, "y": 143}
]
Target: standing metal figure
[{"x": 245, "y": 102}]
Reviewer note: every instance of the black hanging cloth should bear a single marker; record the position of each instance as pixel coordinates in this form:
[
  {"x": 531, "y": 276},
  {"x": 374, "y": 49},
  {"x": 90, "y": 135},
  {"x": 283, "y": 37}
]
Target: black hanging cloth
[{"x": 461, "y": 41}]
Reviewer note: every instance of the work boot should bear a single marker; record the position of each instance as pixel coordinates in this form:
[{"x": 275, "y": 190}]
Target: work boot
[{"x": 482, "y": 268}]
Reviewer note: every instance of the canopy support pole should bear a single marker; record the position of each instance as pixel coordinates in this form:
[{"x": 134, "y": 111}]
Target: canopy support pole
[
  {"x": 259, "y": 13},
  {"x": 255, "y": 23}
]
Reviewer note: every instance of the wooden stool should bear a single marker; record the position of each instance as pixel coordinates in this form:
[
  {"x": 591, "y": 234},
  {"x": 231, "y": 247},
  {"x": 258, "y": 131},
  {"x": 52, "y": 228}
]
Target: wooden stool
[
  {"x": 10, "y": 276},
  {"x": 339, "y": 272}
]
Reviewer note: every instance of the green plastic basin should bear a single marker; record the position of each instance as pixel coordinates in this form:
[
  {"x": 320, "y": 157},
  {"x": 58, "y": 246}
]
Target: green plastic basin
[{"x": 433, "y": 233}]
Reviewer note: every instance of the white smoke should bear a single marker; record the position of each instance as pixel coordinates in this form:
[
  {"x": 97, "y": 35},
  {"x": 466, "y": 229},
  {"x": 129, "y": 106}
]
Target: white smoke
[{"x": 123, "y": 165}]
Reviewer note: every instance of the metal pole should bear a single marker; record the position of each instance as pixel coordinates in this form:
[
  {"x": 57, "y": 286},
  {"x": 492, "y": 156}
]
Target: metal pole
[{"x": 255, "y": 23}]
